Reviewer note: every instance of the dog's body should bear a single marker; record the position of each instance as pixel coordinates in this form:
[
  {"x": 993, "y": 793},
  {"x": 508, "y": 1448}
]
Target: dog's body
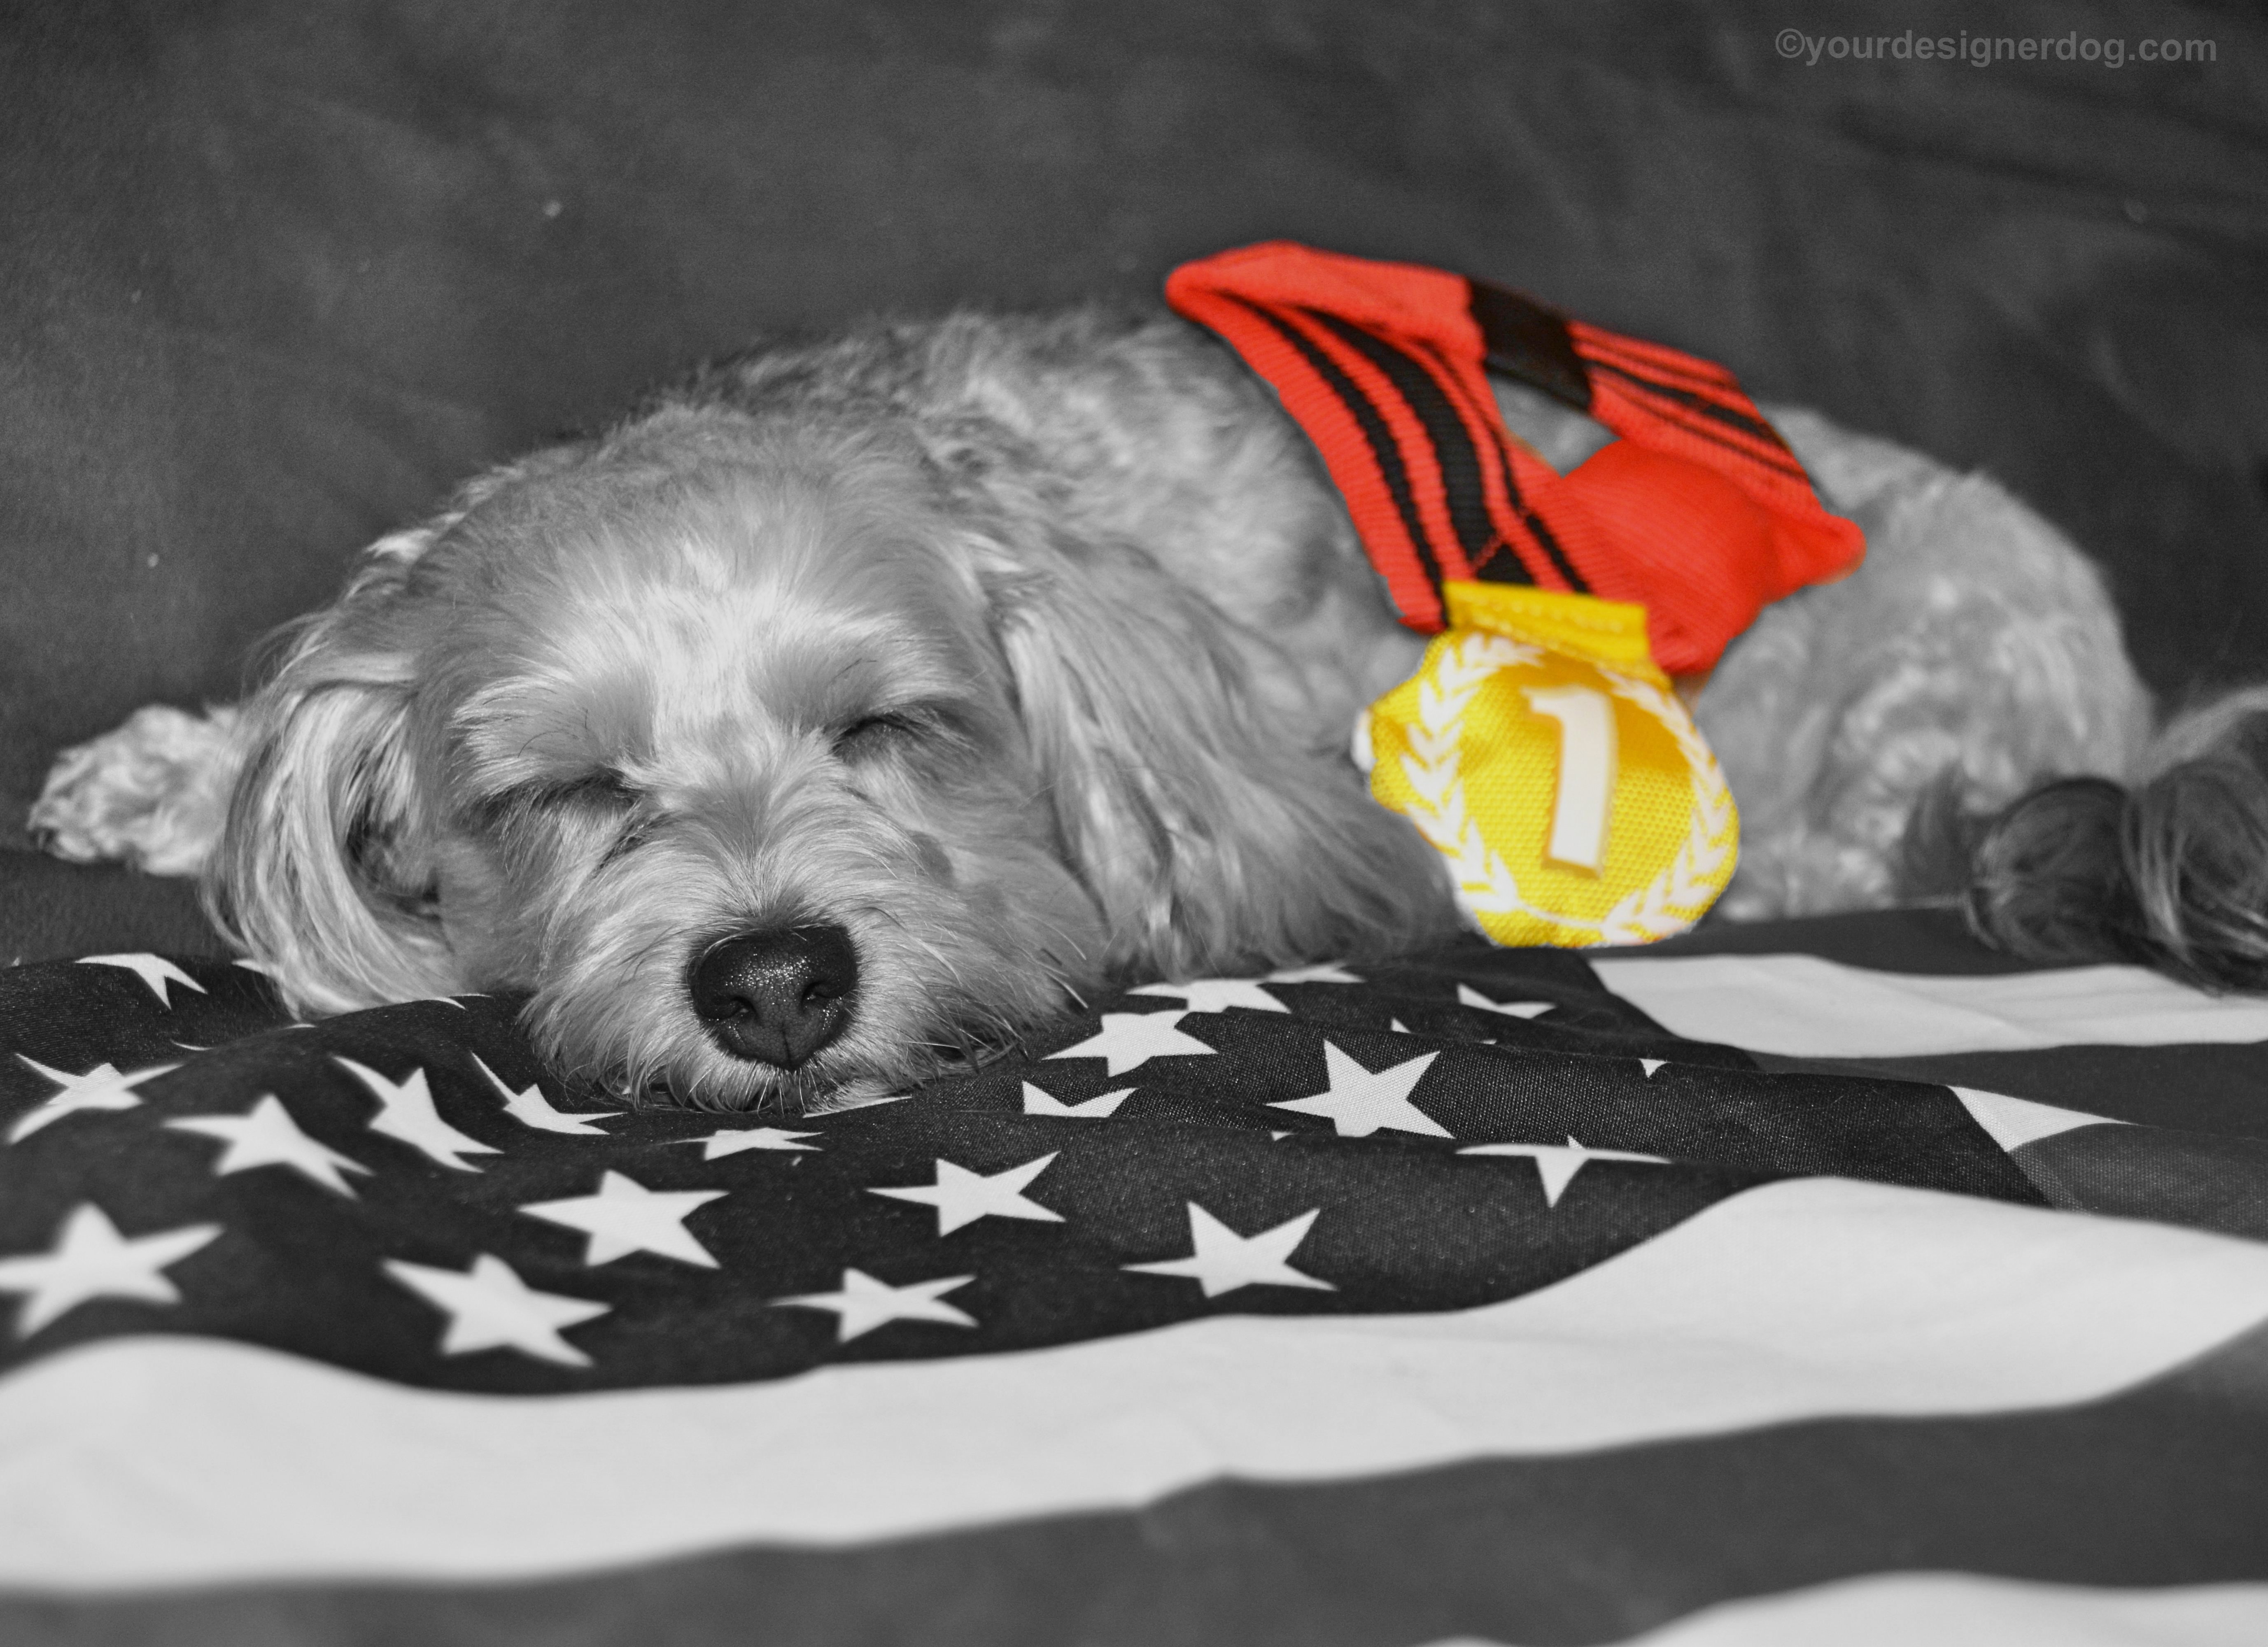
[{"x": 860, "y": 704}]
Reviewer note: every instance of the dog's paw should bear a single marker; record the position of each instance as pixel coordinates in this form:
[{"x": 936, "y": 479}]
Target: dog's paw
[{"x": 153, "y": 794}]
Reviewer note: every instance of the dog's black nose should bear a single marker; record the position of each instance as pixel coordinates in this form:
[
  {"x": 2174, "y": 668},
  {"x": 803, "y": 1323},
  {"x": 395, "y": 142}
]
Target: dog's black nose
[{"x": 776, "y": 996}]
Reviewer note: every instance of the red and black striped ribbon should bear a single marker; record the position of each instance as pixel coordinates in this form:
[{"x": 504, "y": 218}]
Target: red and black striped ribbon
[{"x": 1699, "y": 513}]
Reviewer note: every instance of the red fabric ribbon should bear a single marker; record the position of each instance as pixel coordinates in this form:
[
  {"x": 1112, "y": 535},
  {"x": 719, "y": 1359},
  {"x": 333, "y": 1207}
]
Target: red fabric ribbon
[{"x": 1698, "y": 511}]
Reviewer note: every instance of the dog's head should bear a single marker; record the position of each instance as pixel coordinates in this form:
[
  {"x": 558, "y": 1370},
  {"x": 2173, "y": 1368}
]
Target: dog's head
[{"x": 779, "y": 762}]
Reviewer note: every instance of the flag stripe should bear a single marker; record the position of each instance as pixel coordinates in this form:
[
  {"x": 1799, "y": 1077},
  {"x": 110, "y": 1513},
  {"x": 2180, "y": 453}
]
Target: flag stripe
[
  {"x": 1792, "y": 1301},
  {"x": 1802, "y": 1006},
  {"x": 1510, "y": 1550},
  {"x": 2211, "y": 1088},
  {"x": 1966, "y": 1610}
]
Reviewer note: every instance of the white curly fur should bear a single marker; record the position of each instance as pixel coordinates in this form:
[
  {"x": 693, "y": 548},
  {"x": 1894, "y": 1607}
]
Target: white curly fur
[{"x": 153, "y": 794}]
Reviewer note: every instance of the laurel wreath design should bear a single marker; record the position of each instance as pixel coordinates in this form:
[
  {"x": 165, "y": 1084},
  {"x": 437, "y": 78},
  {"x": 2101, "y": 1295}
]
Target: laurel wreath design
[
  {"x": 1485, "y": 884},
  {"x": 1681, "y": 894}
]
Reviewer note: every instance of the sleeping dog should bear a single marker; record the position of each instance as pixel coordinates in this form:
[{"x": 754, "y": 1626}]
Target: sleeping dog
[{"x": 856, "y": 706}]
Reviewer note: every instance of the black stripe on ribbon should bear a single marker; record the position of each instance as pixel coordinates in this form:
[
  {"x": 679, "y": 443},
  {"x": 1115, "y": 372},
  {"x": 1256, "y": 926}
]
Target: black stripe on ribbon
[
  {"x": 1551, "y": 545},
  {"x": 1384, "y": 451},
  {"x": 1753, "y": 428},
  {"x": 1453, "y": 452},
  {"x": 1529, "y": 343}
]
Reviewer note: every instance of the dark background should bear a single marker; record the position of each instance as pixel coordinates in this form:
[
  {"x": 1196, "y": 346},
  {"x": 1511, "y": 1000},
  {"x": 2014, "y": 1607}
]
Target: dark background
[{"x": 276, "y": 276}]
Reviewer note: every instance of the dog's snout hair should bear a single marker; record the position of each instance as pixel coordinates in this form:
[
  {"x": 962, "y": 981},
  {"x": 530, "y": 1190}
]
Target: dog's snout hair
[{"x": 780, "y": 656}]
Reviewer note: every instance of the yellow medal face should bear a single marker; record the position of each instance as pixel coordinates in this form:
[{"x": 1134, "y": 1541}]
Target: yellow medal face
[{"x": 1549, "y": 761}]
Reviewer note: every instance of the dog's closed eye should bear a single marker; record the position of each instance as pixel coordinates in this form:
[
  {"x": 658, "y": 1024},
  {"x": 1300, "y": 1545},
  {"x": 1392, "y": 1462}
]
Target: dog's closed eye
[
  {"x": 602, "y": 797},
  {"x": 602, "y": 789},
  {"x": 907, "y": 729}
]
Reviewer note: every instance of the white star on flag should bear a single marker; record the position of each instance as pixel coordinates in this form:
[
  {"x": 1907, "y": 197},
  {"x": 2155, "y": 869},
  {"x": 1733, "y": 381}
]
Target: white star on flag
[
  {"x": 1647, "y": 1066},
  {"x": 625, "y": 1217},
  {"x": 1556, "y": 1163},
  {"x": 91, "y": 1260},
  {"x": 530, "y": 1108},
  {"x": 1221, "y": 1260},
  {"x": 154, "y": 970},
  {"x": 739, "y": 1140},
  {"x": 490, "y": 1307},
  {"x": 406, "y": 1112},
  {"x": 865, "y": 1303},
  {"x": 1327, "y": 972},
  {"x": 266, "y": 1136},
  {"x": 961, "y": 1196},
  {"x": 1037, "y": 1101},
  {"x": 102, "y": 1087},
  {"x": 1218, "y": 994},
  {"x": 1358, "y": 1103},
  {"x": 1467, "y": 996},
  {"x": 1129, "y": 1040}
]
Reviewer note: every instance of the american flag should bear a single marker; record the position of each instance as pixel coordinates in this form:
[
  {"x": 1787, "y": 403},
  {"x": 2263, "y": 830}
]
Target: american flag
[{"x": 1489, "y": 1295}]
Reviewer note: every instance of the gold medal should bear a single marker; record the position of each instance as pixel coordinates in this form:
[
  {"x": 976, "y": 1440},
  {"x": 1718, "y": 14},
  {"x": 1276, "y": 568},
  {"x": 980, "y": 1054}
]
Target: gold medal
[{"x": 1548, "y": 758}]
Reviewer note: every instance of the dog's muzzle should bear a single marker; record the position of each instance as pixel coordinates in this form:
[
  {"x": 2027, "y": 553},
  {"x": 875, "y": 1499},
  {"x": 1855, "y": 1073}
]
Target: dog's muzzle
[{"x": 776, "y": 996}]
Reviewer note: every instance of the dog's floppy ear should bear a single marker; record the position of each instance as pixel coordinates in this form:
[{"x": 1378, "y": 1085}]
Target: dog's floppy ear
[
  {"x": 324, "y": 871},
  {"x": 320, "y": 873},
  {"x": 1210, "y": 830}
]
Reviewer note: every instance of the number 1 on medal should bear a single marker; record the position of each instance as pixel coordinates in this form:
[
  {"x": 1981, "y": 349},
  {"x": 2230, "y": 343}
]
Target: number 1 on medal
[{"x": 1586, "y": 796}]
